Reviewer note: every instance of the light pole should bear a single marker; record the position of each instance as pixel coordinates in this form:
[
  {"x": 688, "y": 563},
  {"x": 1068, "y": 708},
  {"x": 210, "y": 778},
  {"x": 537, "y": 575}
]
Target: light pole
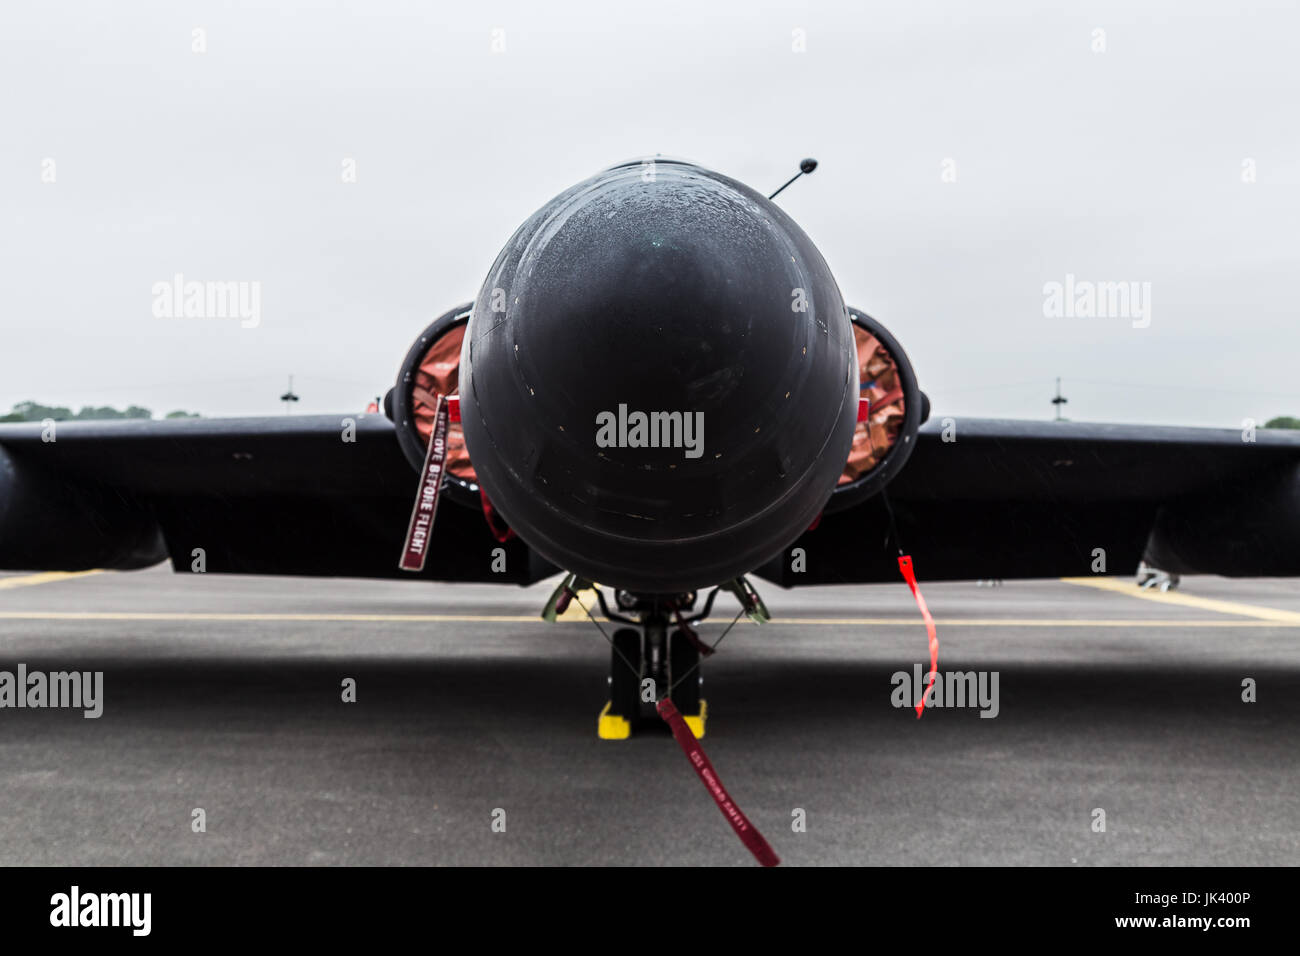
[
  {"x": 1058, "y": 401},
  {"x": 289, "y": 397}
]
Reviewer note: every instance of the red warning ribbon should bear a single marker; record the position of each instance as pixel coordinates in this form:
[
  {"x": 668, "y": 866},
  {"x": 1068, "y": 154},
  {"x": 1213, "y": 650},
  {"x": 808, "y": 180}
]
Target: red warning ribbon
[
  {"x": 420, "y": 531},
  {"x": 690, "y": 745},
  {"x": 499, "y": 531},
  {"x": 905, "y": 565}
]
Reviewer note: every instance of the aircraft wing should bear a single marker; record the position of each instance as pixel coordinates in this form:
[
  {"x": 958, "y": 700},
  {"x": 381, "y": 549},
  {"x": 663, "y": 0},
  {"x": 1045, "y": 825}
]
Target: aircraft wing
[
  {"x": 311, "y": 495},
  {"x": 983, "y": 499},
  {"x": 978, "y": 499}
]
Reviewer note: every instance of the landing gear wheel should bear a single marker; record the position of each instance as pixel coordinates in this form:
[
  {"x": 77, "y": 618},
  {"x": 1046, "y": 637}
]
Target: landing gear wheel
[
  {"x": 620, "y": 713},
  {"x": 683, "y": 659},
  {"x": 624, "y": 684},
  {"x": 683, "y": 667}
]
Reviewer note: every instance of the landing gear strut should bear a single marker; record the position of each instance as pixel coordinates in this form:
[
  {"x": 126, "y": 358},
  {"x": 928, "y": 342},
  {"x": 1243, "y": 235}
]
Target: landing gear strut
[
  {"x": 658, "y": 655},
  {"x": 666, "y": 656}
]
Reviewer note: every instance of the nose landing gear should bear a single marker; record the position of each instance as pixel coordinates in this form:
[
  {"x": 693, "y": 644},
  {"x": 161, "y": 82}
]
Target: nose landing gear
[
  {"x": 658, "y": 655},
  {"x": 645, "y": 665}
]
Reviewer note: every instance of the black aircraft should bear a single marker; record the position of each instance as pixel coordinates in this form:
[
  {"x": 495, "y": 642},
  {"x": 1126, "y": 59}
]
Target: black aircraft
[{"x": 660, "y": 389}]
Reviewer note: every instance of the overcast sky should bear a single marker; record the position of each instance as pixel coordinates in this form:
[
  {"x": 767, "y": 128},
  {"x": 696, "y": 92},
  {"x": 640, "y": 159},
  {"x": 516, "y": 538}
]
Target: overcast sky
[{"x": 1115, "y": 166}]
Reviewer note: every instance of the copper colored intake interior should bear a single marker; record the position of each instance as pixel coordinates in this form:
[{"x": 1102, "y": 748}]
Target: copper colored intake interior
[
  {"x": 878, "y": 374},
  {"x": 438, "y": 374}
]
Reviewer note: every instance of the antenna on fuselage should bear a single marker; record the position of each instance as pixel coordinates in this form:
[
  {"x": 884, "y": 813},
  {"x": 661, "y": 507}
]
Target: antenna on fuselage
[{"x": 805, "y": 167}]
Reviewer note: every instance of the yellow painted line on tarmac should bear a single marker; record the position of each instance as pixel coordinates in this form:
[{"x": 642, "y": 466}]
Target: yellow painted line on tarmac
[
  {"x": 267, "y": 618},
  {"x": 1271, "y": 614},
  {"x": 45, "y": 577},
  {"x": 1261, "y": 616},
  {"x": 1029, "y": 622},
  {"x": 146, "y": 616}
]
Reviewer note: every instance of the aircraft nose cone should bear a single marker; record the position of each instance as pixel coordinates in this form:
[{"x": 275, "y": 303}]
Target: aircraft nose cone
[{"x": 658, "y": 356}]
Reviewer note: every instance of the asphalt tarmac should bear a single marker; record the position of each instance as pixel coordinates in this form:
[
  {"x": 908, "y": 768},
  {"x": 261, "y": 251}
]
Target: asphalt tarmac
[{"x": 225, "y": 694}]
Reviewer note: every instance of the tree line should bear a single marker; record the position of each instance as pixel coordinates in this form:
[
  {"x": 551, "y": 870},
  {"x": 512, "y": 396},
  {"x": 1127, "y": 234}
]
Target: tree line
[{"x": 35, "y": 412}]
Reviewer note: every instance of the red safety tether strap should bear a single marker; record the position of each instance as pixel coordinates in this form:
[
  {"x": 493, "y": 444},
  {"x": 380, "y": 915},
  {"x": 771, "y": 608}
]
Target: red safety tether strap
[
  {"x": 905, "y": 565},
  {"x": 500, "y": 532},
  {"x": 690, "y": 744}
]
